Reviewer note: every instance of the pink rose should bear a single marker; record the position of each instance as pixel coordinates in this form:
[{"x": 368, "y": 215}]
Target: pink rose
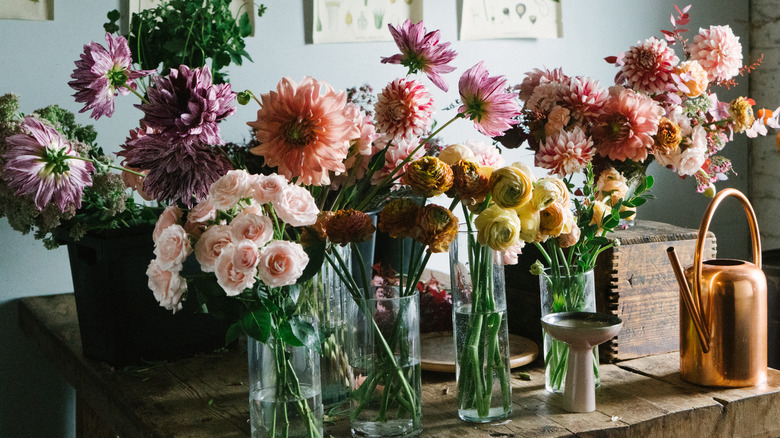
[
  {"x": 202, "y": 212},
  {"x": 169, "y": 216},
  {"x": 168, "y": 287},
  {"x": 510, "y": 255},
  {"x": 252, "y": 207},
  {"x": 282, "y": 263},
  {"x": 266, "y": 188},
  {"x": 245, "y": 256},
  {"x": 232, "y": 280},
  {"x": 229, "y": 189},
  {"x": 296, "y": 206},
  {"x": 172, "y": 247},
  {"x": 210, "y": 246},
  {"x": 258, "y": 229}
]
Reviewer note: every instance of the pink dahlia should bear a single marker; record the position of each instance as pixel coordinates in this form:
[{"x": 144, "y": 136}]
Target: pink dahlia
[
  {"x": 565, "y": 153},
  {"x": 584, "y": 98},
  {"x": 648, "y": 66},
  {"x": 181, "y": 170},
  {"x": 718, "y": 51},
  {"x": 486, "y": 102},
  {"x": 537, "y": 77},
  {"x": 42, "y": 164},
  {"x": 185, "y": 105},
  {"x": 404, "y": 110},
  {"x": 102, "y": 73},
  {"x": 396, "y": 154},
  {"x": 626, "y": 129},
  {"x": 421, "y": 51},
  {"x": 304, "y": 132}
]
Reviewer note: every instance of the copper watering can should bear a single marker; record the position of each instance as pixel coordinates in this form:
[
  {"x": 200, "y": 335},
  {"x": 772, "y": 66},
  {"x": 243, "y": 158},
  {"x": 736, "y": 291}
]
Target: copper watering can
[{"x": 723, "y": 311}]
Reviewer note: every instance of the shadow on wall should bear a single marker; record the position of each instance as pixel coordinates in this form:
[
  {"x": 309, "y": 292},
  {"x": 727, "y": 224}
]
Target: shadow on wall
[{"x": 36, "y": 401}]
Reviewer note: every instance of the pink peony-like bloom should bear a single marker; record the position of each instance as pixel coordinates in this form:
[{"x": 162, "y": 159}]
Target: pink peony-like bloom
[
  {"x": 585, "y": 98},
  {"x": 172, "y": 247},
  {"x": 625, "y": 131},
  {"x": 282, "y": 263},
  {"x": 296, "y": 206},
  {"x": 171, "y": 215},
  {"x": 229, "y": 189},
  {"x": 231, "y": 277},
  {"x": 303, "y": 132},
  {"x": 404, "y": 110},
  {"x": 718, "y": 51},
  {"x": 186, "y": 105},
  {"x": 39, "y": 162},
  {"x": 258, "y": 229},
  {"x": 648, "y": 66},
  {"x": 102, "y": 73},
  {"x": 565, "y": 153},
  {"x": 396, "y": 153},
  {"x": 486, "y": 102},
  {"x": 537, "y": 77},
  {"x": 168, "y": 287},
  {"x": 210, "y": 246},
  {"x": 421, "y": 51}
]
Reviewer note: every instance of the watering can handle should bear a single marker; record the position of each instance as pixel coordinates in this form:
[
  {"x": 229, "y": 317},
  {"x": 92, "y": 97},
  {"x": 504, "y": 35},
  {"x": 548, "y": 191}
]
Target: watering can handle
[{"x": 705, "y": 225}]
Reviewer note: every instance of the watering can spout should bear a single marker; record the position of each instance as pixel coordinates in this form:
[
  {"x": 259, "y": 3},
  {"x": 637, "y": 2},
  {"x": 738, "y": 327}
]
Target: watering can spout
[{"x": 689, "y": 302}]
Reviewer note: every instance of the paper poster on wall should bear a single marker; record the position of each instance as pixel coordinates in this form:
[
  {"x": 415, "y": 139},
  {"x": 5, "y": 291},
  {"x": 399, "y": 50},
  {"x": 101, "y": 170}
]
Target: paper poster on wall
[
  {"x": 491, "y": 19},
  {"x": 39, "y": 10},
  {"x": 338, "y": 21},
  {"x": 237, "y": 7}
]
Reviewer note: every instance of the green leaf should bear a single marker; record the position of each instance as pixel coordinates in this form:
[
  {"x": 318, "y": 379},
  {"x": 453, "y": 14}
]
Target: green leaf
[
  {"x": 299, "y": 332},
  {"x": 244, "y": 25},
  {"x": 639, "y": 201},
  {"x": 233, "y": 332},
  {"x": 626, "y": 214},
  {"x": 257, "y": 324},
  {"x": 316, "y": 253}
]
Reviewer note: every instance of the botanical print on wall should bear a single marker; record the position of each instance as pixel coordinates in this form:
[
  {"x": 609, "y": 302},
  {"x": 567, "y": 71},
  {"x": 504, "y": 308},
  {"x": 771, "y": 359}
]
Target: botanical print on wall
[
  {"x": 27, "y": 9},
  {"x": 337, "y": 21},
  {"x": 490, "y": 19}
]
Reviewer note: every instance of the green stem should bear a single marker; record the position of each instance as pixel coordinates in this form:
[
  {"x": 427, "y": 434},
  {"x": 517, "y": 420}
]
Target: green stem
[{"x": 134, "y": 91}]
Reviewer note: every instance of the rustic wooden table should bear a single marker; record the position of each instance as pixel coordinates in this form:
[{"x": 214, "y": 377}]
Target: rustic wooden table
[{"x": 206, "y": 396}]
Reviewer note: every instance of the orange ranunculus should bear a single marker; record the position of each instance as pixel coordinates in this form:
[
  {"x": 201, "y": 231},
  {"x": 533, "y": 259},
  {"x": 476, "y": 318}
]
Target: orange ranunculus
[
  {"x": 399, "y": 218},
  {"x": 428, "y": 176},
  {"x": 347, "y": 226},
  {"x": 438, "y": 227}
]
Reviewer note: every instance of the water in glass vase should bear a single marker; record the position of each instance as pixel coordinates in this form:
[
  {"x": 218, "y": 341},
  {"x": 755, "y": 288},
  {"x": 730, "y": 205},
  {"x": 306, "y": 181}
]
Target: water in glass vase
[
  {"x": 334, "y": 366},
  {"x": 380, "y": 404},
  {"x": 298, "y": 418},
  {"x": 486, "y": 404}
]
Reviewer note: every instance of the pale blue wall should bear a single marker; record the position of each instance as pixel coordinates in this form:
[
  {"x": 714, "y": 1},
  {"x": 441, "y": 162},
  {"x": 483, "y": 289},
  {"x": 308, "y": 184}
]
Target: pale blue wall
[{"x": 37, "y": 59}]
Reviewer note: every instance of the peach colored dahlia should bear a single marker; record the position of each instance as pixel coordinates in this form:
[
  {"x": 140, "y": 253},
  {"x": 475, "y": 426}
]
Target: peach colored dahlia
[
  {"x": 565, "y": 153},
  {"x": 628, "y": 125},
  {"x": 718, "y": 51},
  {"x": 585, "y": 97},
  {"x": 404, "y": 110},
  {"x": 648, "y": 66},
  {"x": 305, "y": 130}
]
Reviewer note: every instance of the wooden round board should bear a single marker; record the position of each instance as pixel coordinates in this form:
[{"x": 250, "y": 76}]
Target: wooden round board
[{"x": 437, "y": 351}]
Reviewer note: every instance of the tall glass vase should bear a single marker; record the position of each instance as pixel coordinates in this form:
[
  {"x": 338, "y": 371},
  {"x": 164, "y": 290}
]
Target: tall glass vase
[
  {"x": 326, "y": 299},
  {"x": 384, "y": 342},
  {"x": 565, "y": 293},
  {"x": 480, "y": 330},
  {"x": 285, "y": 400}
]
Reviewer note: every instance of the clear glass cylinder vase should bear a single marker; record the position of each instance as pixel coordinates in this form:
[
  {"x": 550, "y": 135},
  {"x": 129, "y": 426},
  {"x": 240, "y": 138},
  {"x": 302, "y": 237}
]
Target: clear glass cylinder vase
[
  {"x": 285, "y": 399},
  {"x": 384, "y": 344},
  {"x": 326, "y": 297},
  {"x": 480, "y": 330},
  {"x": 565, "y": 293}
]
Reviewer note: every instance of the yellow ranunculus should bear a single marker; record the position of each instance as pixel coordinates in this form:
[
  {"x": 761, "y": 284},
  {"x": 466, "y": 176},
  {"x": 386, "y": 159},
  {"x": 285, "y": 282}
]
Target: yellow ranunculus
[
  {"x": 428, "y": 176},
  {"x": 741, "y": 111},
  {"x": 529, "y": 222},
  {"x": 555, "y": 219},
  {"x": 600, "y": 209},
  {"x": 497, "y": 228},
  {"x": 511, "y": 187},
  {"x": 549, "y": 190}
]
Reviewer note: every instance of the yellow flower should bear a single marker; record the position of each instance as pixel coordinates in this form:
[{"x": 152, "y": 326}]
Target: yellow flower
[
  {"x": 428, "y": 176},
  {"x": 438, "y": 227},
  {"x": 549, "y": 190},
  {"x": 569, "y": 239},
  {"x": 611, "y": 184},
  {"x": 470, "y": 181},
  {"x": 456, "y": 152},
  {"x": 529, "y": 222},
  {"x": 741, "y": 111},
  {"x": 511, "y": 187},
  {"x": 498, "y": 228},
  {"x": 693, "y": 76},
  {"x": 399, "y": 218},
  {"x": 346, "y": 226},
  {"x": 668, "y": 136},
  {"x": 600, "y": 209},
  {"x": 555, "y": 219}
]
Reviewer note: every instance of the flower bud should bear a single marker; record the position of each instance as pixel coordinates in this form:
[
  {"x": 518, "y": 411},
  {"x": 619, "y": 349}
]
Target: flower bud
[{"x": 537, "y": 268}]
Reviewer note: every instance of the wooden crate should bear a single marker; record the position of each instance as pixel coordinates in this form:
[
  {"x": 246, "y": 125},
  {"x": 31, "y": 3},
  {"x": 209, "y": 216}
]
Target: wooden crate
[{"x": 633, "y": 281}]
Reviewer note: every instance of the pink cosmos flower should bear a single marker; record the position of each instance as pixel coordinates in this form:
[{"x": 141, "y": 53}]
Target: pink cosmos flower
[
  {"x": 102, "y": 73},
  {"x": 718, "y": 51},
  {"x": 168, "y": 286},
  {"x": 565, "y": 153},
  {"x": 281, "y": 263},
  {"x": 186, "y": 105},
  {"x": 421, "y": 51},
  {"x": 39, "y": 162},
  {"x": 210, "y": 246},
  {"x": 585, "y": 98},
  {"x": 486, "y": 102},
  {"x": 172, "y": 247},
  {"x": 304, "y": 132},
  {"x": 253, "y": 227},
  {"x": 648, "y": 66},
  {"x": 625, "y": 130},
  {"x": 230, "y": 277},
  {"x": 229, "y": 189},
  {"x": 296, "y": 206},
  {"x": 403, "y": 110},
  {"x": 171, "y": 215}
]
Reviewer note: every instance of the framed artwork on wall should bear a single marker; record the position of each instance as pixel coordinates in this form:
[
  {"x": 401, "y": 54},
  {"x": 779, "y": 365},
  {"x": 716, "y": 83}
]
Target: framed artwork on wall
[
  {"x": 493, "y": 19},
  {"x": 340, "y": 21},
  {"x": 38, "y": 10}
]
